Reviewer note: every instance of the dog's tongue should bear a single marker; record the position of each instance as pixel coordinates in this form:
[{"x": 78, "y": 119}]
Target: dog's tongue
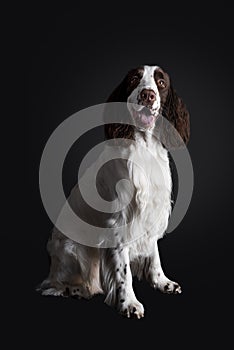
[{"x": 146, "y": 119}]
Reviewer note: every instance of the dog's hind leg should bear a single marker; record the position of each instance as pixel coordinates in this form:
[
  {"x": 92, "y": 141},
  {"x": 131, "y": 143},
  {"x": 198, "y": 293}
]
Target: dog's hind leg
[{"x": 74, "y": 269}]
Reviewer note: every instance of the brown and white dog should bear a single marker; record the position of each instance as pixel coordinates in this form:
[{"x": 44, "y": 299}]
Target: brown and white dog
[{"x": 82, "y": 270}]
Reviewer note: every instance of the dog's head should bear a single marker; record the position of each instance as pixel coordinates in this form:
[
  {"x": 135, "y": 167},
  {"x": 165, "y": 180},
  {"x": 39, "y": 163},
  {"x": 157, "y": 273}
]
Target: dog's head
[{"x": 148, "y": 92}]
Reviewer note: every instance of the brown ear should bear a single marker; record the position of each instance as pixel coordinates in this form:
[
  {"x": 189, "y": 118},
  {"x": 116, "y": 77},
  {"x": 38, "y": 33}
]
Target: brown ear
[
  {"x": 117, "y": 130},
  {"x": 176, "y": 112}
]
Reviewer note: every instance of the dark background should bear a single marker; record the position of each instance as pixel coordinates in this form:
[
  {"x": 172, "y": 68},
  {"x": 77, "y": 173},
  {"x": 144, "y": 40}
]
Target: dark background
[{"x": 74, "y": 58}]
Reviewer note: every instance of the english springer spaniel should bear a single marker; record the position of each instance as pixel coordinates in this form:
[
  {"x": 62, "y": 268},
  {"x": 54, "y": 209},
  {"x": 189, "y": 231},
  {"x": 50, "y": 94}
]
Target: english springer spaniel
[{"x": 82, "y": 270}]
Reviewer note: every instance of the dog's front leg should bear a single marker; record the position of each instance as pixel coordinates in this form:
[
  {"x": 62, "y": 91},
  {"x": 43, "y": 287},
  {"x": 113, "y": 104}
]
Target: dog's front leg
[
  {"x": 157, "y": 277},
  {"x": 117, "y": 282}
]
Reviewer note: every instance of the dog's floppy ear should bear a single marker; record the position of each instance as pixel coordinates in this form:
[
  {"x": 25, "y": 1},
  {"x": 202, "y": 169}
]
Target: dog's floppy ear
[
  {"x": 117, "y": 130},
  {"x": 176, "y": 112}
]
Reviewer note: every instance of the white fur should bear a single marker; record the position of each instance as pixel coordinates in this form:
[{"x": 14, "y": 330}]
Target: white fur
[{"x": 84, "y": 271}]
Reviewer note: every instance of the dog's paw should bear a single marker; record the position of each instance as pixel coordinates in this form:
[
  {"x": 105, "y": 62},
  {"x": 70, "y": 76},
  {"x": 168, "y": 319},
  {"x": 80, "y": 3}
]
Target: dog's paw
[
  {"x": 131, "y": 309},
  {"x": 169, "y": 287}
]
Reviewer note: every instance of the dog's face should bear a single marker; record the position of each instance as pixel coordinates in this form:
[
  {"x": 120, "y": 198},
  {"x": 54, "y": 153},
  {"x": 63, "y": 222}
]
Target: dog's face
[
  {"x": 148, "y": 92},
  {"x": 147, "y": 89}
]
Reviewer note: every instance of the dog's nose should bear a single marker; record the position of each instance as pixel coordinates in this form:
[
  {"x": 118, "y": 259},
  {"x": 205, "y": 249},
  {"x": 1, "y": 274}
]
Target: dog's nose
[{"x": 148, "y": 96}]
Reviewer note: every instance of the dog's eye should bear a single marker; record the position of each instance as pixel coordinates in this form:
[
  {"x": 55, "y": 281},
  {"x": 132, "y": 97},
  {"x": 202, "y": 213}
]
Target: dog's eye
[
  {"x": 134, "y": 79},
  {"x": 161, "y": 83}
]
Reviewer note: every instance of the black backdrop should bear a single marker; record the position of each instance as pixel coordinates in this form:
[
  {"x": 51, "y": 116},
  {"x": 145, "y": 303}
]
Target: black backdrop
[{"x": 74, "y": 59}]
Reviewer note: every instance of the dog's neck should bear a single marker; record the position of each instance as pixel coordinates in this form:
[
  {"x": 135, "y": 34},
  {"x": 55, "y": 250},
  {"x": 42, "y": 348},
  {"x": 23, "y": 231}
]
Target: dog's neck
[{"x": 146, "y": 137}]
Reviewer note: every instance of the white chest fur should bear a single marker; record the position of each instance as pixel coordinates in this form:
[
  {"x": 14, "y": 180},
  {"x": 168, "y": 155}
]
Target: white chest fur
[
  {"x": 149, "y": 171},
  {"x": 149, "y": 166}
]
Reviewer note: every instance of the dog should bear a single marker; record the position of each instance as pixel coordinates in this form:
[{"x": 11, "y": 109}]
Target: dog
[{"x": 86, "y": 270}]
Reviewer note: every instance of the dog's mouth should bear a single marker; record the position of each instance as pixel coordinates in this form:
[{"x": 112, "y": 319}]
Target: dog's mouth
[{"x": 144, "y": 116}]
